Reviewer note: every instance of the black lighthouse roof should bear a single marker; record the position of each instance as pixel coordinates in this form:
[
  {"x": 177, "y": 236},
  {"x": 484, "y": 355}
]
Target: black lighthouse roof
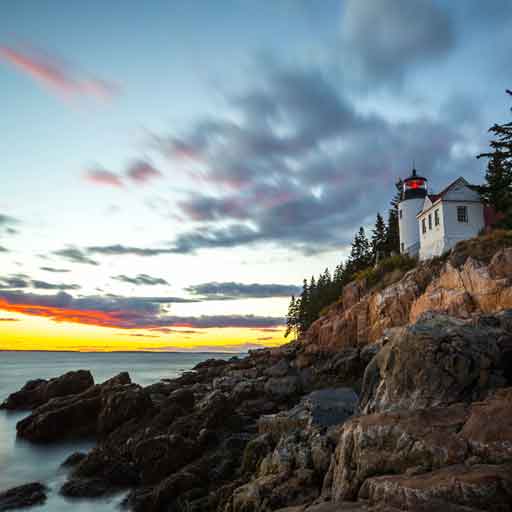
[{"x": 414, "y": 176}]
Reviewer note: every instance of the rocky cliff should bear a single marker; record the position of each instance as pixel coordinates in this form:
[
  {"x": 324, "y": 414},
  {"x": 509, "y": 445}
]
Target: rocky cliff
[
  {"x": 460, "y": 289},
  {"x": 399, "y": 398}
]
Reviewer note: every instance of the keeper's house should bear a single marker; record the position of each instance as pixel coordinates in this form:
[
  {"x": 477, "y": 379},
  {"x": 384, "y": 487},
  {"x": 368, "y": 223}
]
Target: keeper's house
[{"x": 431, "y": 224}]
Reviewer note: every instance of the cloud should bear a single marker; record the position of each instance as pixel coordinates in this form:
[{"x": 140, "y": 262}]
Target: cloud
[
  {"x": 119, "y": 249},
  {"x": 55, "y": 270},
  {"x": 232, "y": 290},
  {"x": 59, "y": 78},
  {"x": 7, "y": 220},
  {"x": 3, "y": 249},
  {"x": 142, "y": 171},
  {"x": 9, "y": 319},
  {"x": 121, "y": 312},
  {"x": 103, "y": 177},
  {"x": 141, "y": 279},
  {"x": 43, "y": 285},
  {"x": 75, "y": 255},
  {"x": 21, "y": 281},
  {"x": 15, "y": 281},
  {"x": 383, "y": 39},
  {"x": 302, "y": 167}
]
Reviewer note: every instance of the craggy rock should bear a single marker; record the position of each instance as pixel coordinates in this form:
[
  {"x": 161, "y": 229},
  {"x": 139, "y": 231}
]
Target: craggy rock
[
  {"x": 319, "y": 409},
  {"x": 439, "y": 360},
  {"x": 488, "y": 429},
  {"x": 23, "y": 496},
  {"x": 379, "y": 444},
  {"x": 456, "y": 488},
  {"x": 85, "y": 488},
  {"x": 74, "y": 459},
  {"x": 160, "y": 456},
  {"x": 417, "y": 442},
  {"x": 37, "y": 392},
  {"x": 363, "y": 316},
  {"x": 85, "y": 414}
]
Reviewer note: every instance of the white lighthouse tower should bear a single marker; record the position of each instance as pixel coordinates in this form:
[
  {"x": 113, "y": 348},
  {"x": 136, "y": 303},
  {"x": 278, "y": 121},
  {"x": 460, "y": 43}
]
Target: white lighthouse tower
[{"x": 413, "y": 196}]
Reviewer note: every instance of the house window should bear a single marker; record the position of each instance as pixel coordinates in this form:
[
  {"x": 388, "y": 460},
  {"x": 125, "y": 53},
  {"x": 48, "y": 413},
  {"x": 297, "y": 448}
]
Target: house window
[
  {"x": 462, "y": 213},
  {"x": 429, "y": 221},
  {"x": 436, "y": 217},
  {"x": 423, "y": 226},
  {"x": 400, "y": 213}
]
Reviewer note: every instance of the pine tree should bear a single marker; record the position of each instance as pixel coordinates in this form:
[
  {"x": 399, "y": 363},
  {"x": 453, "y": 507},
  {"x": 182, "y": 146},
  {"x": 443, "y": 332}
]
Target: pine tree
[
  {"x": 497, "y": 190},
  {"x": 360, "y": 253},
  {"x": 291, "y": 318},
  {"x": 392, "y": 232},
  {"x": 379, "y": 238},
  {"x": 303, "y": 309}
]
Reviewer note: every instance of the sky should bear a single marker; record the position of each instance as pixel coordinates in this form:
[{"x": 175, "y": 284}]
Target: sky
[{"x": 171, "y": 171}]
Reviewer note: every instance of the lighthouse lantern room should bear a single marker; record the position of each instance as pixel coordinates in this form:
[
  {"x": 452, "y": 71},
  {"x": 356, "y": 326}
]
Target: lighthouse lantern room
[{"x": 413, "y": 196}]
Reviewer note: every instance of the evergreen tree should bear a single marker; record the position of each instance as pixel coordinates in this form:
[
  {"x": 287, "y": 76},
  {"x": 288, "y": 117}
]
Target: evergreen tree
[
  {"x": 291, "y": 318},
  {"x": 303, "y": 309},
  {"x": 360, "y": 253},
  {"x": 379, "y": 238},
  {"x": 497, "y": 190},
  {"x": 392, "y": 232}
]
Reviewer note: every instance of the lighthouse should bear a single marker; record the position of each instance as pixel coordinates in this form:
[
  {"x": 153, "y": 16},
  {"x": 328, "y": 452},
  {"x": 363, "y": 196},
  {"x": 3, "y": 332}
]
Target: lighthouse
[{"x": 413, "y": 196}]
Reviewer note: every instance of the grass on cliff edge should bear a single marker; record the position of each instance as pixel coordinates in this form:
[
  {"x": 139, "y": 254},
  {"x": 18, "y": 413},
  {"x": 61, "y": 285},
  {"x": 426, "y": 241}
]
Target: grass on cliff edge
[
  {"x": 387, "y": 272},
  {"x": 481, "y": 248}
]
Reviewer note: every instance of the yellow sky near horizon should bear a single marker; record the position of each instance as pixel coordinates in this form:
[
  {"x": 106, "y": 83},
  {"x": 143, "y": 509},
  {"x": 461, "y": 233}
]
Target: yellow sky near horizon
[{"x": 24, "y": 332}]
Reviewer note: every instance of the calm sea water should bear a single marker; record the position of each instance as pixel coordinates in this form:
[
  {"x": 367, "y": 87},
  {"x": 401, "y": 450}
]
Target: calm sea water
[{"x": 22, "y": 462}]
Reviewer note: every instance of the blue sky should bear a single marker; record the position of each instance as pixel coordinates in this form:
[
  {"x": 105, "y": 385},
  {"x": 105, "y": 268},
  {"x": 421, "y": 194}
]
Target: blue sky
[{"x": 258, "y": 135}]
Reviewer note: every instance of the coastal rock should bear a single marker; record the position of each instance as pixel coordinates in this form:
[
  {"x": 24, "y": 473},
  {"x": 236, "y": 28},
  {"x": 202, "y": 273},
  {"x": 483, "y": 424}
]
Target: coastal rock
[
  {"x": 78, "y": 415},
  {"x": 282, "y": 387},
  {"x": 391, "y": 443},
  {"x": 488, "y": 429},
  {"x": 118, "y": 407},
  {"x": 319, "y": 409},
  {"x": 439, "y": 360},
  {"x": 459, "y": 287},
  {"x": 37, "y": 392},
  {"x": 23, "y": 496},
  {"x": 112, "y": 469},
  {"x": 160, "y": 456},
  {"x": 457, "y": 488},
  {"x": 85, "y": 488}
]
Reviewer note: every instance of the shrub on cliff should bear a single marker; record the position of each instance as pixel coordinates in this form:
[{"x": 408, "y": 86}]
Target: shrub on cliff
[
  {"x": 387, "y": 271},
  {"x": 481, "y": 248}
]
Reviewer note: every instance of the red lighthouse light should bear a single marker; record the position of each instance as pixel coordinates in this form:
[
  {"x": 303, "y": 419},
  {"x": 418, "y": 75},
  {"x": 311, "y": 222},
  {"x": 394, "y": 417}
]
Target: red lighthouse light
[{"x": 415, "y": 184}]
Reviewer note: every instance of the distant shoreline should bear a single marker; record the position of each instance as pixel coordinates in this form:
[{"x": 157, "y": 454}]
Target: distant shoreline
[{"x": 119, "y": 352}]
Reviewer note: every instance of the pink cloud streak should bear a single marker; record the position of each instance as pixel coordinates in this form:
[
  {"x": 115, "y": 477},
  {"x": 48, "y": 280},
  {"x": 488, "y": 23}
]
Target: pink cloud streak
[
  {"x": 103, "y": 177},
  {"x": 57, "y": 77}
]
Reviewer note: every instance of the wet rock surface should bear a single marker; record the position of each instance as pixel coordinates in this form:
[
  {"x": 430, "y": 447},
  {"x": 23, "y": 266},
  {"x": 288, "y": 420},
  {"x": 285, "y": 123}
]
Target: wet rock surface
[
  {"x": 23, "y": 496},
  {"x": 39, "y": 391}
]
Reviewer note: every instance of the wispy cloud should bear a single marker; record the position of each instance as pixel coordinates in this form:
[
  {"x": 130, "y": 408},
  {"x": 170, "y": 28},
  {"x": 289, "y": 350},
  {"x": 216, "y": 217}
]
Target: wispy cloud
[
  {"x": 61, "y": 79},
  {"x": 55, "y": 270},
  {"x": 22, "y": 281},
  {"x": 232, "y": 290},
  {"x": 142, "y": 171},
  {"x": 141, "y": 280},
  {"x": 75, "y": 255},
  {"x": 103, "y": 177}
]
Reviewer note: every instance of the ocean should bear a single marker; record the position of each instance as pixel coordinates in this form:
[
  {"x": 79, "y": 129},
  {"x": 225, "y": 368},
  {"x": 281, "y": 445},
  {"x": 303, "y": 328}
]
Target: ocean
[{"x": 22, "y": 462}]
